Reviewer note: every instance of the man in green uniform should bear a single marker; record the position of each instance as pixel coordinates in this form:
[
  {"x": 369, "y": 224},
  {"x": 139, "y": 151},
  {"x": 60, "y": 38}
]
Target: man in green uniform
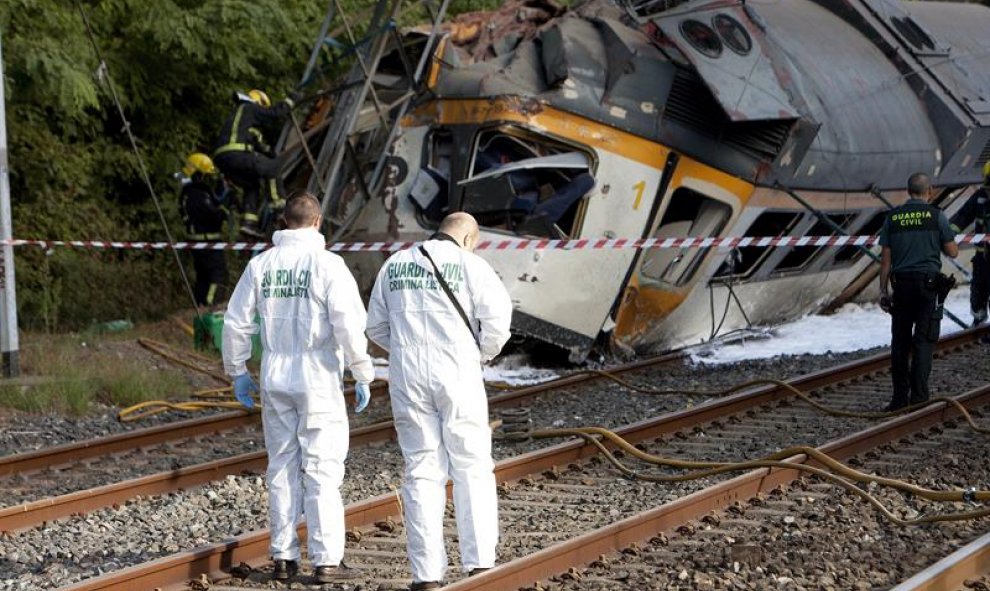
[
  {"x": 976, "y": 211},
  {"x": 913, "y": 238}
]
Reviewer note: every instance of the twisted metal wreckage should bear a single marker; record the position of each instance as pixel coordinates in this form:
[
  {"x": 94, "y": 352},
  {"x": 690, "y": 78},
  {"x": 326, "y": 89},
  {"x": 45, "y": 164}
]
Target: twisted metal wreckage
[{"x": 629, "y": 119}]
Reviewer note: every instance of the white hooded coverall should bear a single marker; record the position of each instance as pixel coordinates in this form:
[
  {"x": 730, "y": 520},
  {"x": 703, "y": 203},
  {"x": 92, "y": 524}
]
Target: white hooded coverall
[
  {"x": 438, "y": 396},
  {"x": 312, "y": 319}
]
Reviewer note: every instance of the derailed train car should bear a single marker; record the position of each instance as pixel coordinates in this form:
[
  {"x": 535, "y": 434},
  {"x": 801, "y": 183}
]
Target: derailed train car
[{"x": 675, "y": 119}]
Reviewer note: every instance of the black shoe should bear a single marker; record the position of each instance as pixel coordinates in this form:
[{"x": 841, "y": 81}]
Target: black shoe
[
  {"x": 476, "y": 571},
  {"x": 895, "y": 406},
  {"x": 329, "y": 574},
  {"x": 285, "y": 570},
  {"x": 424, "y": 586},
  {"x": 918, "y": 401}
]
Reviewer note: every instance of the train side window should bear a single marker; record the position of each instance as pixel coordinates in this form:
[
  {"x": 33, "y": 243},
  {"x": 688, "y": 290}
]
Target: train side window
[
  {"x": 527, "y": 184},
  {"x": 690, "y": 214},
  {"x": 770, "y": 224},
  {"x": 430, "y": 187},
  {"x": 799, "y": 257},
  {"x": 850, "y": 253}
]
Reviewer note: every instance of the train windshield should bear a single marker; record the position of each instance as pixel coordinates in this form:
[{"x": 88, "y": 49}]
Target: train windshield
[{"x": 527, "y": 185}]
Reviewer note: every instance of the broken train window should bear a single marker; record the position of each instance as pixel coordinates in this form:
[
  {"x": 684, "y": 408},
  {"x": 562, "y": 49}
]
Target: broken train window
[
  {"x": 527, "y": 183},
  {"x": 689, "y": 215},
  {"x": 799, "y": 257},
  {"x": 743, "y": 261},
  {"x": 430, "y": 187},
  {"x": 850, "y": 252}
]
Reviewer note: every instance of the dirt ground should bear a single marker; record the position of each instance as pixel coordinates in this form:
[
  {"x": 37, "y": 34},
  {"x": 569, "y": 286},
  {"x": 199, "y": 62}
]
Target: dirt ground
[{"x": 50, "y": 357}]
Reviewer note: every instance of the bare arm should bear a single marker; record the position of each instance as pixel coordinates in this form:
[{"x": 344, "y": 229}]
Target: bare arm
[
  {"x": 951, "y": 249},
  {"x": 884, "y": 271}
]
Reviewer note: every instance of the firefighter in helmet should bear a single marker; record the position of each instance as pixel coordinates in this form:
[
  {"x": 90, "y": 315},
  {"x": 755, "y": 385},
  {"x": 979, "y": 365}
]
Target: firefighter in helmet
[
  {"x": 977, "y": 211},
  {"x": 245, "y": 157},
  {"x": 201, "y": 203}
]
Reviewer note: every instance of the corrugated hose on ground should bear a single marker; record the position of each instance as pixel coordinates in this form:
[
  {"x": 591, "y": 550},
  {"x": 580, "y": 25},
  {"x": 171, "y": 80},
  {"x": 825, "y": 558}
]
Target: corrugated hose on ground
[{"x": 833, "y": 471}]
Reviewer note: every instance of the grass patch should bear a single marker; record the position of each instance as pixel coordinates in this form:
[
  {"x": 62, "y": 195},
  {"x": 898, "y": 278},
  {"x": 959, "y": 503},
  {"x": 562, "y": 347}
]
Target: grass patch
[
  {"x": 129, "y": 383},
  {"x": 66, "y": 395},
  {"x": 70, "y": 373}
]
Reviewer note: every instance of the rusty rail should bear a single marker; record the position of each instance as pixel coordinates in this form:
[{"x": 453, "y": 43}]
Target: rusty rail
[
  {"x": 72, "y": 452},
  {"x": 969, "y": 562},
  {"x": 30, "y": 514},
  {"x": 252, "y": 548},
  {"x": 612, "y": 538}
]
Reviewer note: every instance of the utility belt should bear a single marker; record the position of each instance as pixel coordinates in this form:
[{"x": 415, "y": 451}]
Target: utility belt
[
  {"x": 206, "y": 236},
  {"x": 916, "y": 276},
  {"x": 233, "y": 148},
  {"x": 940, "y": 283}
]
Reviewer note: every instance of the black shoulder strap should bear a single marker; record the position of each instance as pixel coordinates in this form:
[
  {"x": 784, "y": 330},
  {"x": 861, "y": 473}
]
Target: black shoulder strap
[{"x": 450, "y": 294}]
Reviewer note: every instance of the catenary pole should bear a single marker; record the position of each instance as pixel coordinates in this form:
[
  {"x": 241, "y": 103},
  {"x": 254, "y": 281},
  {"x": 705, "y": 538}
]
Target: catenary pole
[{"x": 8, "y": 299}]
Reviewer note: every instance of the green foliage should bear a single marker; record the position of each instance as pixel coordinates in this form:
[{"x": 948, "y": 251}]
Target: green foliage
[
  {"x": 130, "y": 383},
  {"x": 174, "y": 65},
  {"x": 70, "y": 396}
]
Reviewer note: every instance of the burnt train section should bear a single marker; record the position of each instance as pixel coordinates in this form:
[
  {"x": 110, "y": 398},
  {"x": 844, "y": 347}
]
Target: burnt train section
[
  {"x": 825, "y": 95},
  {"x": 671, "y": 119}
]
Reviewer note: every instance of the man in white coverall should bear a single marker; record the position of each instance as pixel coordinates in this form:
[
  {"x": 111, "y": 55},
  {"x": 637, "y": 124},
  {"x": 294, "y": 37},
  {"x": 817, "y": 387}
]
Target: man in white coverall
[
  {"x": 312, "y": 321},
  {"x": 438, "y": 396}
]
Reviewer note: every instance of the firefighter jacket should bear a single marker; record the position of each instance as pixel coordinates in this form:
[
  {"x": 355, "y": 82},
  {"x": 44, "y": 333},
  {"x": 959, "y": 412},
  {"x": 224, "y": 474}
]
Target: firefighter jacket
[
  {"x": 977, "y": 209},
  {"x": 202, "y": 210},
  {"x": 243, "y": 131}
]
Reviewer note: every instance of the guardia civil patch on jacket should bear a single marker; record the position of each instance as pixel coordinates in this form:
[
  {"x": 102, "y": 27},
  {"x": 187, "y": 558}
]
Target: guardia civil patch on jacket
[{"x": 285, "y": 283}]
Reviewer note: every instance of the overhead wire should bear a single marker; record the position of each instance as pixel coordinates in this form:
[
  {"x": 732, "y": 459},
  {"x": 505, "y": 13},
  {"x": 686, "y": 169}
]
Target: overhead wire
[{"x": 104, "y": 72}]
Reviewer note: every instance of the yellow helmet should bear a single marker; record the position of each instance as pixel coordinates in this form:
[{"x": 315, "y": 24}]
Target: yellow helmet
[
  {"x": 259, "y": 98},
  {"x": 198, "y": 162},
  {"x": 986, "y": 169}
]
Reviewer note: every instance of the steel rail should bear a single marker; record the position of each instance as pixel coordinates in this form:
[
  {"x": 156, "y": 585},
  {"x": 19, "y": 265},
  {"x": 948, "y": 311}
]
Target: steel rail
[
  {"x": 969, "y": 562},
  {"x": 252, "y": 548},
  {"x": 73, "y": 452},
  {"x": 27, "y": 515},
  {"x": 586, "y": 548}
]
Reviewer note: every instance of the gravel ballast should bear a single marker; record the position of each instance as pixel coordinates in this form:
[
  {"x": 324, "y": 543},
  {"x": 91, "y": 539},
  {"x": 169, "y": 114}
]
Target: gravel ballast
[{"x": 69, "y": 550}]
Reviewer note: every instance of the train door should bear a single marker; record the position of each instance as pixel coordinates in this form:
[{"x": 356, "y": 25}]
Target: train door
[
  {"x": 523, "y": 184},
  {"x": 700, "y": 202}
]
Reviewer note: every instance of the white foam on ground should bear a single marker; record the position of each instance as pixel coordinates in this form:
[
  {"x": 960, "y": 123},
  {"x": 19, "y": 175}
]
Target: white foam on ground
[
  {"x": 514, "y": 370},
  {"x": 853, "y": 327},
  {"x": 511, "y": 370}
]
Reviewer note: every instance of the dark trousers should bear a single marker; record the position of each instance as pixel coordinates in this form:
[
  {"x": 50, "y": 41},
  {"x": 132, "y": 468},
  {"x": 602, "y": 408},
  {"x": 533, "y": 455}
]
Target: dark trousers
[
  {"x": 256, "y": 175},
  {"x": 914, "y": 330},
  {"x": 211, "y": 277},
  {"x": 979, "y": 287}
]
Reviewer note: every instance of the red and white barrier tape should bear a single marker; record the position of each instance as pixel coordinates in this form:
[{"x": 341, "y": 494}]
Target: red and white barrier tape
[{"x": 508, "y": 244}]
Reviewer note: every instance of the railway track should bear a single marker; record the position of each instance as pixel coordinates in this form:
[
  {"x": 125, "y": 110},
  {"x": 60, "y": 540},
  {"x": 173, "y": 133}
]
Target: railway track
[
  {"x": 808, "y": 535},
  {"x": 967, "y": 569},
  {"x": 584, "y": 493},
  {"x": 58, "y": 482}
]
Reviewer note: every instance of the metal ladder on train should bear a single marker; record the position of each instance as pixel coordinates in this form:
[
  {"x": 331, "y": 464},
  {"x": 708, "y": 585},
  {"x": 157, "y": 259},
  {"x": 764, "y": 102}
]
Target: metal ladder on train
[{"x": 337, "y": 161}]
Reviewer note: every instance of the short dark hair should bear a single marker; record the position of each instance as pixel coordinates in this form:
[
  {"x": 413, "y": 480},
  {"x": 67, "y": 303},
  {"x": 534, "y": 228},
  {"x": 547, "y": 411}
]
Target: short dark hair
[
  {"x": 919, "y": 184},
  {"x": 301, "y": 211}
]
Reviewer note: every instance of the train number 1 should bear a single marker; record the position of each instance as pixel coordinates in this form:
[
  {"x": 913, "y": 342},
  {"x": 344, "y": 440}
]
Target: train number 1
[{"x": 640, "y": 187}]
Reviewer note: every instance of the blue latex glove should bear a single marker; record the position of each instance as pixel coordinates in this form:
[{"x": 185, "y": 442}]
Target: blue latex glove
[
  {"x": 243, "y": 386},
  {"x": 362, "y": 396}
]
